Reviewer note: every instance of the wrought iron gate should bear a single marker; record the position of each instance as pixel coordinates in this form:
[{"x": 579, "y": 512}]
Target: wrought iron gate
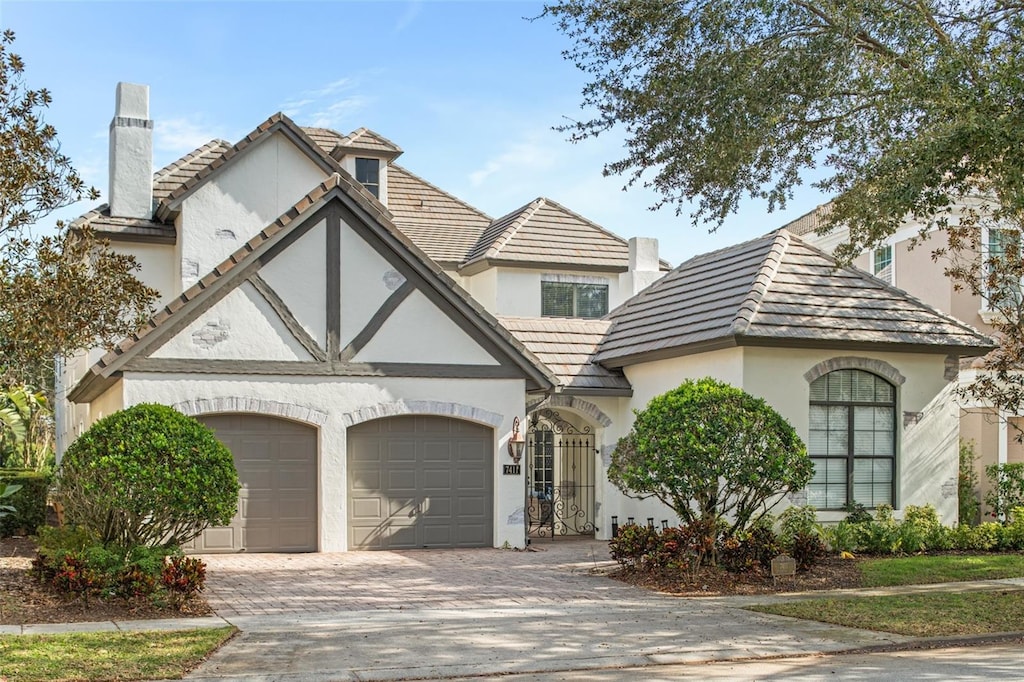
[{"x": 559, "y": 476}]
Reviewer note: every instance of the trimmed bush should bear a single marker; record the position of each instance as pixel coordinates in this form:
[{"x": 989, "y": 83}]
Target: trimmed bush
[
  {"x": 148, "y": 475},
  {"x": 29, "y": 503},
  {"x": 1007, "y": 481}
]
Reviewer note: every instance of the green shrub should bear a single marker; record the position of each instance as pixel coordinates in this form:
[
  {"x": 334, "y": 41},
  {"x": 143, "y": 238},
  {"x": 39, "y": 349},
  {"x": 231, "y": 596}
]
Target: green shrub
[
  {"x": 1013, "y": 532},
  {"x": 711, "y": 452},
  {"x": 921, "y": 531},
  {"x": 632, "y": 544},
  {"x": 800, "y": 536},
  {"x": 29, "y": 502},
  {"x": 968, "y": 502},
  {"x": 857, "y": 513},
  {"x": 148, "y": 475},
  {"x": 842, "y": 537},
  {"x": 755, "y": 546},
  {"x": 1007, "y": 491},
  {"x": 985, "y": 537}
]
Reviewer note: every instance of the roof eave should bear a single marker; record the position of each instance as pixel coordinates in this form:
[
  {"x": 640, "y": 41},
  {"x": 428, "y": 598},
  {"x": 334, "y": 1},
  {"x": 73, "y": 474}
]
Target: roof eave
[{"x": 478, "y": 265}]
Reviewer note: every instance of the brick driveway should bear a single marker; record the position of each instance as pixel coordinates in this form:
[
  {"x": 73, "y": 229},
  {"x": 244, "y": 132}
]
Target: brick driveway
[{"x": 557, "y": 572}]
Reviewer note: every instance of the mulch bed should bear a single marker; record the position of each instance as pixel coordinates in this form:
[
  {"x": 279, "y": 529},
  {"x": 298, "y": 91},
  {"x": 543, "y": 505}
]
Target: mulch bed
[
  {"x": 831, "y": 573},
  {"x": 23, "y": 600}
]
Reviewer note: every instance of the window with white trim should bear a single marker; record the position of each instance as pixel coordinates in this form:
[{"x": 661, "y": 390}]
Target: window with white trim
[
  {"x": 852, "y": 440},
  {"x": 881, "y": 266},
  {"x": 573, "y": 299},
  {"x": 1001, "y": 244}
]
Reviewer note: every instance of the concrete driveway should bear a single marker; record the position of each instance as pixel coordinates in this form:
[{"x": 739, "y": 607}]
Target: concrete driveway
[{"x": 458, "y": 613}]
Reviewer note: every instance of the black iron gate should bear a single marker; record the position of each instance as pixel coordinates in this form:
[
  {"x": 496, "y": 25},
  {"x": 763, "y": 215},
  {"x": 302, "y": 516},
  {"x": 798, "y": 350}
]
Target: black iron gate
[{"x": 559, "y": 476}]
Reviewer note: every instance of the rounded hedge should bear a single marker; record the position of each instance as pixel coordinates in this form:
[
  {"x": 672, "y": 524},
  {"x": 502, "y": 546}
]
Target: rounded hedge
[{"x": 148, "y": 475}]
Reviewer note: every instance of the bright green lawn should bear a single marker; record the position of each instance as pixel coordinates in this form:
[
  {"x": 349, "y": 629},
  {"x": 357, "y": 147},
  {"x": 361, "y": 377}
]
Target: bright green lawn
[
  {"x": 920, "y": 615},
  {"x": 106, "y": 655},
  {"x": 917, "y": 570}
]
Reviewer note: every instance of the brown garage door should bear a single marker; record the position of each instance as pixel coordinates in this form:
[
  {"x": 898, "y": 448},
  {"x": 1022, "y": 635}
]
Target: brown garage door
[
  {"x": 277, "y": 505},
  {"x": 418, "y": 481}
]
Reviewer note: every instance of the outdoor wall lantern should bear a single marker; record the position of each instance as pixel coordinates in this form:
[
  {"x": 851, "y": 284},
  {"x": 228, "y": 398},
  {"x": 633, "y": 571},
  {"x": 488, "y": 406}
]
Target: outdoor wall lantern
[{"x": 516, "y": 443}]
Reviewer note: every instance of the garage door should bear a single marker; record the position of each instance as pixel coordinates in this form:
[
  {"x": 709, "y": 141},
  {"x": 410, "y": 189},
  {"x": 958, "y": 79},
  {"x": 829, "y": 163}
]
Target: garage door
[
  {"x": 419, "y": 481},
  {"x": 277, "y": 504}
]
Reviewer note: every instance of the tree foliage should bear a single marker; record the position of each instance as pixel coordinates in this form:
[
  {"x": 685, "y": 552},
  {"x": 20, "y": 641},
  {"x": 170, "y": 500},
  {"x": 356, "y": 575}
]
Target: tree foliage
[
  {"x": 59, "y": 293},
  {"x": 905, "y": 104},
  {"x": 902, "y": 109},
  {"x": 711, "y": 451},
  {"x": 148, "y": 475}
]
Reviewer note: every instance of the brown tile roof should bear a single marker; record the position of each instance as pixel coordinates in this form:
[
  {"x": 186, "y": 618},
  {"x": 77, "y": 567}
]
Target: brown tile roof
[
  {"x": 365, "y": 139},
  {"x": 809, "y": 222},
  {"x": 544, "y": 231},
  {"x": 780, "y": 291},
  {"x": 445, "y": 227},
  {"x": 325, "y": 138},
  {"x": 567, "y": 347},
  {"x": 174, "y": 175}
]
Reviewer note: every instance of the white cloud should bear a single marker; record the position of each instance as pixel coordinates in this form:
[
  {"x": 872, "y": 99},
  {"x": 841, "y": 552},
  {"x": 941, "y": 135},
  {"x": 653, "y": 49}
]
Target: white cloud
[
  {"x": 328, "y": 106},
  {"x": 182, "y": 135},
  {"x": 527, "y": 156},
  {"x": 412, "y": 10}
]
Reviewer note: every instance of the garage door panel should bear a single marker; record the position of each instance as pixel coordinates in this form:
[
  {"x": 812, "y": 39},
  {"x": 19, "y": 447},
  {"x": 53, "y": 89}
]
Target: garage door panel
[
  {"x": 423, "y": 483},
  {"x": 365, "y": 508},
  {"x": 277, "y": 463}
]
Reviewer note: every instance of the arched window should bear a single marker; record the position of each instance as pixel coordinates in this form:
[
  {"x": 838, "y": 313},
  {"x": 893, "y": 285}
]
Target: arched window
[{"x": 852, "y": 440}]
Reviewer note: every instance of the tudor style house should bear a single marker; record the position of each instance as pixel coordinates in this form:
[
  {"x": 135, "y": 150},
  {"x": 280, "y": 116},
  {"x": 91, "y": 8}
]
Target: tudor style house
[{"x": 372, "y": 349}]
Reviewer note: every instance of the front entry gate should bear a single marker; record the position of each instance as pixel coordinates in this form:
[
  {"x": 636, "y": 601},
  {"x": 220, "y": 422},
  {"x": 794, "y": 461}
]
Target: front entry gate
[{"x": 559, "y": 476}]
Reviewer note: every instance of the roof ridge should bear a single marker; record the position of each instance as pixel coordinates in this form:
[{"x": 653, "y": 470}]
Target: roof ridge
[
  {"x": 750, "y": 305},
  {"x": 525, "y": 214},
  {"x": 864, "y": 274},
  {"x": 588, "y": 221},
  {"x": 268, "y": 126}
]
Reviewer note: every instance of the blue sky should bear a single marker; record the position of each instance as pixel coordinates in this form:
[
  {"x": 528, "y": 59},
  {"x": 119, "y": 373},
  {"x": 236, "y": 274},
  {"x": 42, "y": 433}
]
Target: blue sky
[{"x": 469, "y": 90}]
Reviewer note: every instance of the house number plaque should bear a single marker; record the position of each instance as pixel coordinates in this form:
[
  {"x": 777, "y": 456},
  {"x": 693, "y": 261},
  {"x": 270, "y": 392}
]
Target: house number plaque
[{"x": 511, "y": 469}]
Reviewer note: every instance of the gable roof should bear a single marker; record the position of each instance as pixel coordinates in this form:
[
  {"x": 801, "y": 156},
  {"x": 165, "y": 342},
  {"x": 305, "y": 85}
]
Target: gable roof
[
  {"x": 776, "y": 290},
  {"x": 278, "y": 123},
  {"x": 544, "y": 231},
  {"x": 337, "y": 186},
  {"x": 567, "y": 346},
  {"x": 364, "y": 139}
]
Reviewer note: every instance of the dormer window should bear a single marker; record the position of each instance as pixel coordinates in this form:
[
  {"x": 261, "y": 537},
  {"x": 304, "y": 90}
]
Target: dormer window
[{"x": 368, "y": 174}]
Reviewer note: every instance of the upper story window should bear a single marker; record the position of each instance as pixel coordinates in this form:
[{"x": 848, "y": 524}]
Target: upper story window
[
  {"x": 852, "y": 440},
  {"x": 881, "y": 266},
  {"x": 573, "y": 299},
  {"x": 368, "y": 174},
  {"x": 1002, "y": 278}
]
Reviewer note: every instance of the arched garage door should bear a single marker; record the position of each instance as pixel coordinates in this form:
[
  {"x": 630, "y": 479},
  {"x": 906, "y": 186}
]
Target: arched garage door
[
  {"x": 277, "y": 468},
  {"x": 420, "y": 482}
]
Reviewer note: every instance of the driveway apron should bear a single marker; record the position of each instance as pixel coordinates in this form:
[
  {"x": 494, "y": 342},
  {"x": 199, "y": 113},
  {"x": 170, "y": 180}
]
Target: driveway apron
[{"x": 455, "y": 613}]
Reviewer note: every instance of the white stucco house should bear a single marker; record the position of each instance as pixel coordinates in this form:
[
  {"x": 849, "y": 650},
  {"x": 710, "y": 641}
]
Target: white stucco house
[{"x": 367, "y": 345}]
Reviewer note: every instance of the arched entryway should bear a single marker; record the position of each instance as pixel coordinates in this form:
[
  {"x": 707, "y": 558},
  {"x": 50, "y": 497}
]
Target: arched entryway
[
  {"x": 276, "y": 461},
  {"x": 420, "y": 481},
  {"x": 560, "y": 475}
]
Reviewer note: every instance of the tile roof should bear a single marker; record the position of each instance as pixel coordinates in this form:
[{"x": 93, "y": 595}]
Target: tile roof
[
  {"x": 367, "y": 140},
  {"x": 445, "y": 227},
  {"x": 809, "y": 222},
  {"x": 776, "y": 289},
  {"x": 547, "y": 232},
  {"x": 567, "y": 347}
]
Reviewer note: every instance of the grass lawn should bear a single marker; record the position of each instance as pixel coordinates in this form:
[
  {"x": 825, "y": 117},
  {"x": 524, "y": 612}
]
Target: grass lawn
[
  {"x": 916, "y": 570},
  {"x": 107, "y": 655},
  {"x": 920, "y": 615}
]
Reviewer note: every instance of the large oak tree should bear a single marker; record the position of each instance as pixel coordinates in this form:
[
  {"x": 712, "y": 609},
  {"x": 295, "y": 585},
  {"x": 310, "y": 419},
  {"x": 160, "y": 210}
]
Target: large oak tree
[{"x": 903, "y": 108}]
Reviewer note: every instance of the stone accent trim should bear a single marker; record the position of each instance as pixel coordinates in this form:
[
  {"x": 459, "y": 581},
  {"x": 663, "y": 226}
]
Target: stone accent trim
[
  {"x": 130, "y": 122},
  {"x": 573, "y": 403},
  {"x": 879, "y": 367},
  {"x": 434, "y": 407},
  {"x": 300, "y": 413}
]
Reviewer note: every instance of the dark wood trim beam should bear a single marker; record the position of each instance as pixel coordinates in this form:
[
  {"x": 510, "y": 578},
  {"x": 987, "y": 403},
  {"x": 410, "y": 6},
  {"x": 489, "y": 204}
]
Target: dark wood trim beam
[
  {"x": 296, "y": 329},
  {"x": 377, "y": 321},
  {"x": 333, "y": 283},
  {"x": 335, "y": 368}
]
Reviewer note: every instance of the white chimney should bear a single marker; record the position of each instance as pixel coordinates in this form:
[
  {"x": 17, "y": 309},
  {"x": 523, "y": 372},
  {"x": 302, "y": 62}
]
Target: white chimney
[
  {"x": 131, "y": 154},
  {"x": 644, "y": 267}
]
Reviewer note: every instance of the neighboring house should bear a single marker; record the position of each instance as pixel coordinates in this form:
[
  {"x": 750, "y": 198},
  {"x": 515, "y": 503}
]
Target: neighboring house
[
  {"x": 905, "y": 261},
  {"x": 369, "y": 346}
]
